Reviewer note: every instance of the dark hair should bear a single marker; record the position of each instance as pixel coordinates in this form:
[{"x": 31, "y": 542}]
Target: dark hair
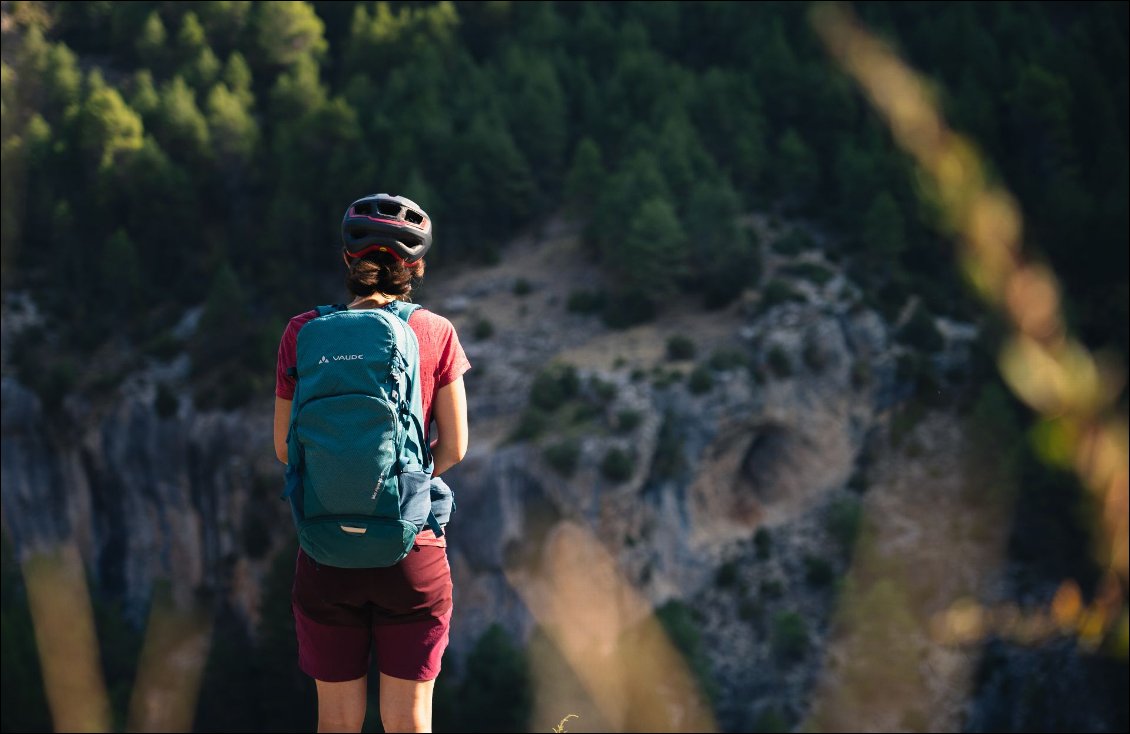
[{"x": 380, "y": 272}]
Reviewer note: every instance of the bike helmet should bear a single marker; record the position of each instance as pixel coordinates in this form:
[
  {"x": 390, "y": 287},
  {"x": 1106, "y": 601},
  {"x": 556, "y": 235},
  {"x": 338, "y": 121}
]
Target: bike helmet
[{"x": 386, "y": 223}]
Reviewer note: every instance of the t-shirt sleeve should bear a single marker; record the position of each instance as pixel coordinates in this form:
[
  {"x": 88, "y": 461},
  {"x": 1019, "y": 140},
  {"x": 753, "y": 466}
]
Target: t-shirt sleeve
[
  {"x": 288, "y": 356},
  {"x": 452, "y": 362},
  {"x": 284, "y": 383}
]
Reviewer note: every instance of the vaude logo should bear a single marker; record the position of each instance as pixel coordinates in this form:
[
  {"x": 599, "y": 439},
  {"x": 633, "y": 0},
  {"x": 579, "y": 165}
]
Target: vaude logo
[{"x": 340, "y": 358}]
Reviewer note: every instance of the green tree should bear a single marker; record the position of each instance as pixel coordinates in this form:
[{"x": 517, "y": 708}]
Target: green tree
[
  {"x": 107, "y": 127},
  {"x": 637, "y": 180},
  {"x": 650, "y": 261},
  {"x": 190, "y": 41},
  {"x": 727, "y": 110},
  {"x": 288, "y": 32},
  {"x": 145, "y": 99},
  {"x": 732, "y": 259},
  {"x": 497, "y": 692},
  {"x": 884, "y": 230},
  {"x": 119, "y": 273},
  {"x": 62, "y": 81},
  {"x": 155, "y": 197},
  {"x": 501, "y": 169},
  {"x": 221, "y": 331},
  {"x": 535, "y": 112},
  {"x": 224, "y": 22},
  {"x": 180, "y": 125},
  {"x": 798, "y": 172},
  {"x": 237, "y": 75},
  {"x": 234, "y": 131},
  {"x": 152, "y": 44},
  {"x": 23, "y": 677},
  {"x": 682, "y": 157},
  {"x": 298, "y": 91},
  {"x": 779, "y": 73},
  {"x": 586, "y": 178}
]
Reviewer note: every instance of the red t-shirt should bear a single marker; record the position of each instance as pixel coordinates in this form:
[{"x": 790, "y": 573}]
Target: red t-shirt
[{"x": 442, "y": 361}]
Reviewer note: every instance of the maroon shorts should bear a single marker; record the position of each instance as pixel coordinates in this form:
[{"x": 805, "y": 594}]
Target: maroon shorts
[{"x": 403, "y": 612}]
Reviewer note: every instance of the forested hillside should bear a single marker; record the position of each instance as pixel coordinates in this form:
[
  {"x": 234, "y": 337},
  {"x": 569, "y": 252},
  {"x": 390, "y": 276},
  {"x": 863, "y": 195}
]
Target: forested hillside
[
  {"x": 161, "y": 155},
  {"x": 174, "y": 176}
]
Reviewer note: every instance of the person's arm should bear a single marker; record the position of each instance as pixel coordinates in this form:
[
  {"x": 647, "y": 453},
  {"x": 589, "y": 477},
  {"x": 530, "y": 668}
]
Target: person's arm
[
  {"x": 449, "y": 409},
  {"x": 282, "y": 425}
]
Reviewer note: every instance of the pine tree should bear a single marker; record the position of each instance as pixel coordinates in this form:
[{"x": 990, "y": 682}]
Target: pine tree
[{"x": 586, "y": 178}]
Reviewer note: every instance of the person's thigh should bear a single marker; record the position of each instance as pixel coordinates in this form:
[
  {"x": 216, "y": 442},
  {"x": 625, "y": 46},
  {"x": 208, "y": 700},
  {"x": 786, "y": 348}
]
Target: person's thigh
[
  {"x": 341, "y": 705},
  {"x": 406, "y": 705}
]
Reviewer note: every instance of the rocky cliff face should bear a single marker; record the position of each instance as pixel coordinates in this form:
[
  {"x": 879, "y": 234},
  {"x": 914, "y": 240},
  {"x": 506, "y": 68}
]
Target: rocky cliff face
[{"x": 769, "y": 442}]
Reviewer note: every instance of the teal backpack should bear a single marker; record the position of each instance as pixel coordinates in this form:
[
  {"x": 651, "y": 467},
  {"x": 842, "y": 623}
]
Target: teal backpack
[{"x": 358, "y": 472}]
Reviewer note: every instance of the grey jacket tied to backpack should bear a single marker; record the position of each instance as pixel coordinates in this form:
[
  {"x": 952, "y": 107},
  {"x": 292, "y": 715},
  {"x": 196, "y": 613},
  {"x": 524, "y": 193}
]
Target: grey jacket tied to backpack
[{"x": 358, "y": 473}]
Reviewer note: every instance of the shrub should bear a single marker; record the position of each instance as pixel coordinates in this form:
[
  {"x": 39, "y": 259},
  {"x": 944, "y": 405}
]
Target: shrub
[
  {"x": 665, "y": 378},
  {"x": 701, "y": 381},
  {"x": 628, "y": 420},
  {"x": 789, "y": 639},
  {"x": 921, "y": 333},
  {"x": 166, "y": 402},
  {"x": 531, "y": 425},
  {"x": 585, "y": 301},
  {"x": 553, "y": 386},
  {"x": 772, "y": 589},
  {"x": 522, "y": 287},
  {"x": 584, "y": 412},
  {"x": 777, "y": 292},
  {"x": 818, "y": 572},
  {"x": 727, "y": 359},
  {"x": 727, "y": 574},
  {"x": 680, "y": 347},
  {"x": 164, "y": 346},
  {"x": 483, "y": 329},
  {"x": 616, "y": 466},
  {"x": 497, "y": 691},
  {"x": 605, "y": 391},
  {"x": 563, "y": 456},
  {"x": 779, "y": 363},
  {"x": 844, "y": 519},
  {"x": 770, "y": 721},
  {"x": 793, "y": 242},
  {"x": 684, "y": 632},
  {"x": 814, "y": 272},
  {"x": 669, "y": 461},
  {"x": 762, "y": 544}
]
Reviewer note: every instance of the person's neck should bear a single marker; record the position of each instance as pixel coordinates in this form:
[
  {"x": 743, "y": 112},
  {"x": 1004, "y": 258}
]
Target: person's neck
[{"x": 377, "y": 300}]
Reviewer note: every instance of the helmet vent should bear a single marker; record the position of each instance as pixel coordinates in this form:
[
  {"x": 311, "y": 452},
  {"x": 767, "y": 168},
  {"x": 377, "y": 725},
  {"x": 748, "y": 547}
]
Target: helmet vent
[
  {"x": 413, "y": 217},
  {"x": 389, "y": 208},
  {"x": 363, "y": 209}
]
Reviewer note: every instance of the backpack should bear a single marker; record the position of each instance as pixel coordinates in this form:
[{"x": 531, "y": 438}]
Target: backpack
[{"x": 358, "y": 473}]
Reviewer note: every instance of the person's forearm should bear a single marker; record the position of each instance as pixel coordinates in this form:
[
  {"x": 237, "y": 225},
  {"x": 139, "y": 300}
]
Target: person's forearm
[{"x": 444, "y": 457}]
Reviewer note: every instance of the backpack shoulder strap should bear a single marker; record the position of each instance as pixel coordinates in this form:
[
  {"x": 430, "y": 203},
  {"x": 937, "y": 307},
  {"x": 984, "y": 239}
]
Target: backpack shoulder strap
[
  {"x": 292, "y": 371},
  {"x": 403, "y": 310}
]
